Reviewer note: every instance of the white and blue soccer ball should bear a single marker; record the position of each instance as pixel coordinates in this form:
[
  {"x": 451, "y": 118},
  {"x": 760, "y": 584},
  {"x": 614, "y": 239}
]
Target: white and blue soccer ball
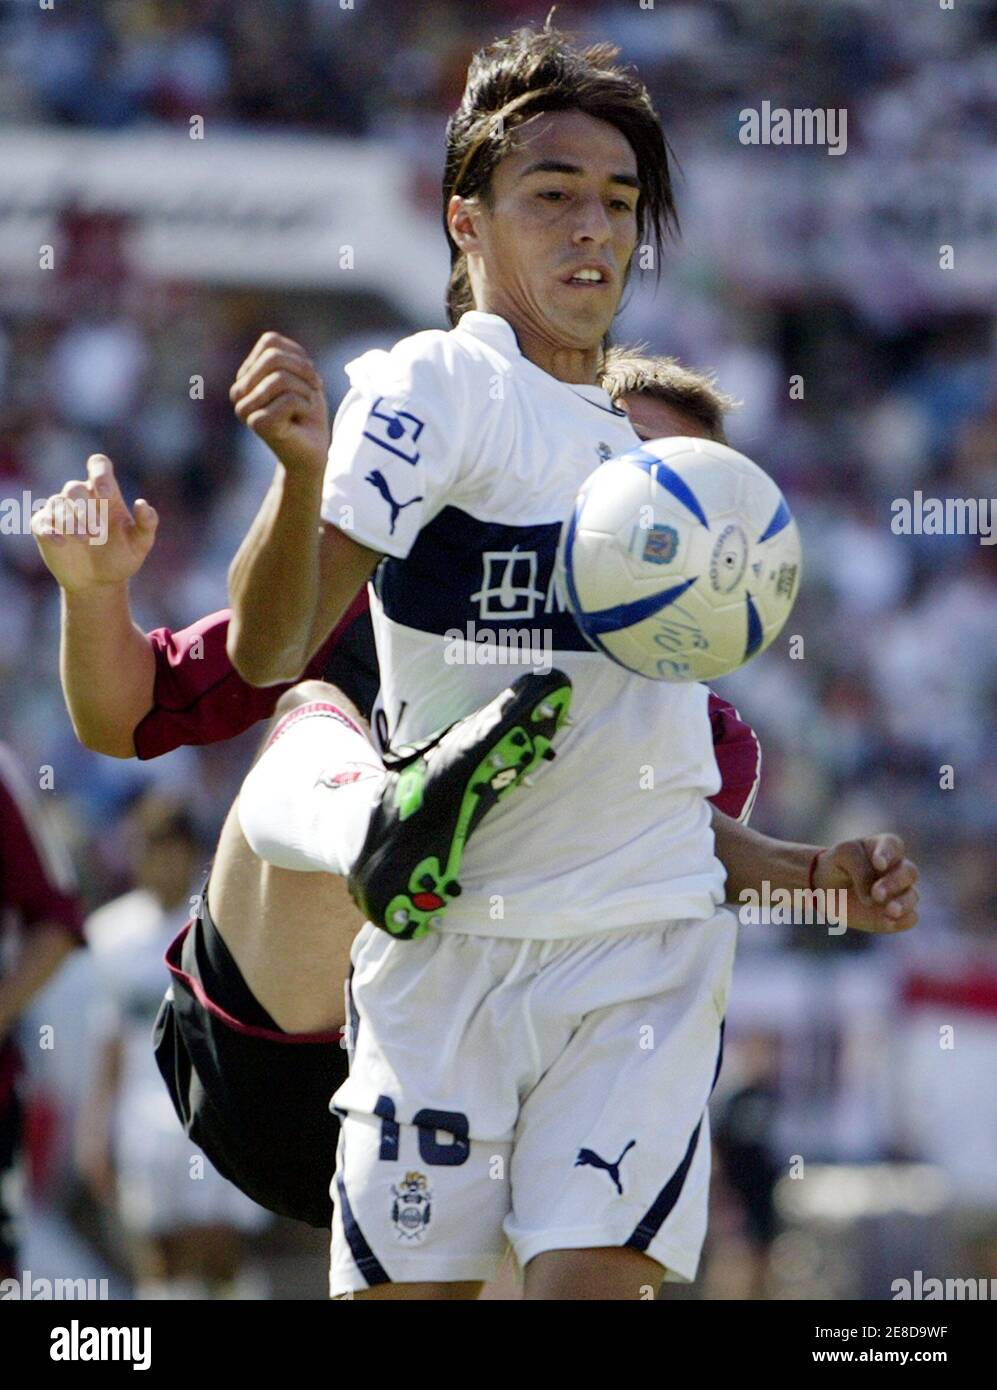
[{"x": 681, "y": 560}]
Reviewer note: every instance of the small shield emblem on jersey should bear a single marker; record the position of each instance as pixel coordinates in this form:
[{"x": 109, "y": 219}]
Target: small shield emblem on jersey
[
  {"x": 661, "y": 545},
  {"x": 411, "y": 1205}
]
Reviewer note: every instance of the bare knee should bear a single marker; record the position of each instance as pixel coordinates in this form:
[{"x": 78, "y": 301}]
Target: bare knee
[
  {"x": 304, "y": 693},
  {"x": 307, "y": 692}
]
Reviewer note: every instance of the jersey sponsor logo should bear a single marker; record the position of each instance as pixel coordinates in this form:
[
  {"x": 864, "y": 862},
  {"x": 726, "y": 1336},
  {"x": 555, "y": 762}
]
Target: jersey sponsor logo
[
  {"x": 462, "y": 570},
  {"x": 411, "y": 1206},
  {"x": 500, "y": 595},
  {"x": 379, "y": 481},
  {"x": 397, "y": 431},
  {"x": 588, "y": 1158}
]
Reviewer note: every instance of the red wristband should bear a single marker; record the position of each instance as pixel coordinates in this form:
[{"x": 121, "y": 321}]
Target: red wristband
[{"x": 813, "y": 870}]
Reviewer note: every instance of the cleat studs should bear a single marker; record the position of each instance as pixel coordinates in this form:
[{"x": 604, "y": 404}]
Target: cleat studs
[
  {"x": 427, "y": 882},
  {"x": 549, "y": 754},
  {"x": 435, "y": 922},
  {"x": 452, "y": 889},
  {"x": 400, "y": 917},
  {"x": 527, "y": 781},
  {"x": 497, "y": 760},
  {"x": 546, "y": 711},
  {"x": 519, "y": 738}
]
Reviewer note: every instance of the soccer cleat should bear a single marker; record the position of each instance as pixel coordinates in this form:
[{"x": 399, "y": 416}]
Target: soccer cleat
[{"x": 435, "y": 795}]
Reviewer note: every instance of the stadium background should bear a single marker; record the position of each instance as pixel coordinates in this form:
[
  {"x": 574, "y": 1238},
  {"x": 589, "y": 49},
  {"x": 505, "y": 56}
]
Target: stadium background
[{"x": 322, "y": 129}]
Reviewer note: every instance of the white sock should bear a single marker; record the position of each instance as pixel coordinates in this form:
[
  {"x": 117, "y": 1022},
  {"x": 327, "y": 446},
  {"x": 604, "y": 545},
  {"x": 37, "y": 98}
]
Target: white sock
[{"x": 306, "y": 804}]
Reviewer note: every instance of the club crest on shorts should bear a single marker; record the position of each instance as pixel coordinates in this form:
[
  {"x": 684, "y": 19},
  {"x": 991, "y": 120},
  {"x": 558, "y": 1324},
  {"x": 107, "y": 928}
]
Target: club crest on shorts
[{"x": 411, "y": 1206}]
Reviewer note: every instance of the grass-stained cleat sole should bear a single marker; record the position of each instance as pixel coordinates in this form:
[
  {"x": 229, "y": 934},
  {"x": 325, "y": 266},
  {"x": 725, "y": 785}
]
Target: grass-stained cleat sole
[{"x": 436, "y": 795}]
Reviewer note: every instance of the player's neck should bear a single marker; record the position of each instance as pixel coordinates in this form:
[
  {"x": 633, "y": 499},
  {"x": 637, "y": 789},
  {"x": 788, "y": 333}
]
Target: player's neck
[
  {"x": 580, "y": 366},
  {"x": 577, "y": 366}
]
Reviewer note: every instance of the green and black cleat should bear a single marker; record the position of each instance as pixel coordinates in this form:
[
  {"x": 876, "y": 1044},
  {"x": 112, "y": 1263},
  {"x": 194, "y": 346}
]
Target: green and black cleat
[{"x": 436, "y": 794}]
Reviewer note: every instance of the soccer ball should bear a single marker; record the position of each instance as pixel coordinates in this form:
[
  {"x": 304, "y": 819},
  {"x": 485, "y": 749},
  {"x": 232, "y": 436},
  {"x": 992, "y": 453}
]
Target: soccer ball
[{"x": 681, "y": 560}]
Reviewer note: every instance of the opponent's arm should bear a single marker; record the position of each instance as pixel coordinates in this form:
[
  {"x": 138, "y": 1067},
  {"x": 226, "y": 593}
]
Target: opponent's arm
[
  {"x": 875, "y": 872},
  {"x": 749, "y": 857},
  {"x": 106, "y": 664},
  {"x": 293, "y": 577}
]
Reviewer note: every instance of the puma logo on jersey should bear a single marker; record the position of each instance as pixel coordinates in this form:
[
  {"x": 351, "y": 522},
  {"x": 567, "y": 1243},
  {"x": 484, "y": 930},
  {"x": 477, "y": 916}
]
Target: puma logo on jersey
[
  {"x": 589, "y": 1158},
  {"x": 378, "y": 480}
]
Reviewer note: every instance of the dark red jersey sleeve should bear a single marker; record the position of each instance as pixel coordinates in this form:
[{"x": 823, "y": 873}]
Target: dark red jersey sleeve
[
  {"x": 199, "y": 697},
  {"x": 36, "y": 874},
  {"x": 739, "y": 758}
]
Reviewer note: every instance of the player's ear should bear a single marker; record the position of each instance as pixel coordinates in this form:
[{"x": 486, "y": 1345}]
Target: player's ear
[{"x": 462, "y": 215}]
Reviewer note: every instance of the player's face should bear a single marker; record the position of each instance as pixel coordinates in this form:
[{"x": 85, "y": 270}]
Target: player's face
[
  {"x": 563, "y": 201},
  {"x": 656, "y": 419}
]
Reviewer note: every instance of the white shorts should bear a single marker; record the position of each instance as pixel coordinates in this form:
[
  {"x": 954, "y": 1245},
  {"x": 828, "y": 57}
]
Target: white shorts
[{"x": 548, "y": 1093}]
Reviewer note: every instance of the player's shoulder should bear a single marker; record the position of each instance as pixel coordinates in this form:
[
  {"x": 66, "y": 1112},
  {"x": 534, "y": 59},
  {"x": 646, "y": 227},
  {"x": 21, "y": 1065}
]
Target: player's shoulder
[{"x": 446, "y": 357}]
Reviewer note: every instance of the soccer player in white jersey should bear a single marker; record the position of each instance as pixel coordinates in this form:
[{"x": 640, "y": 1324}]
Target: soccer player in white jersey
[
  {"x": 275, "y": 945},
  {"x": 537, "y": 1065}
]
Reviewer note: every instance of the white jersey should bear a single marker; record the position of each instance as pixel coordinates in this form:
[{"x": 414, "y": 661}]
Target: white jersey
[{"x": 458, "y": 459}]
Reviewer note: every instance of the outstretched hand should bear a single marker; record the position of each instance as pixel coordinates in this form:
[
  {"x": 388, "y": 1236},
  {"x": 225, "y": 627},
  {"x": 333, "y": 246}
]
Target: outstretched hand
[
  {"x": 878, "y": 878},
  {"x": 86, "y": 534}
]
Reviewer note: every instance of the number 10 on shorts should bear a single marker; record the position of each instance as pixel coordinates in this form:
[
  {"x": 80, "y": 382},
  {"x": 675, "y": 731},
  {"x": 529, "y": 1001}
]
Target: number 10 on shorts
[{"x": 428, "y": 1123}]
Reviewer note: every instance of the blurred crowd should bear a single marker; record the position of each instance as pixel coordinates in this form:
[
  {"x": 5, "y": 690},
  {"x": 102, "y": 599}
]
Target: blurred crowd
[
  {"x": 832, "y": 1052},
  {"x": 912, "y": 80}
]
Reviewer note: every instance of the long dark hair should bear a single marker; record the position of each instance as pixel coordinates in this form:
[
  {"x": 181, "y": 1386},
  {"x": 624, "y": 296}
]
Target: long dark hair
[{"x": 534, "y": 70}]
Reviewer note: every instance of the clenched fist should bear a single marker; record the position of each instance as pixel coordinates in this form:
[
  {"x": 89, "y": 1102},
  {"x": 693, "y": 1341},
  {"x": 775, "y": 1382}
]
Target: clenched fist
[
  {"x": 280, "y": 396},
  {"x": 86, "y": 534},
  {"x": 878, "y": 878}
]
